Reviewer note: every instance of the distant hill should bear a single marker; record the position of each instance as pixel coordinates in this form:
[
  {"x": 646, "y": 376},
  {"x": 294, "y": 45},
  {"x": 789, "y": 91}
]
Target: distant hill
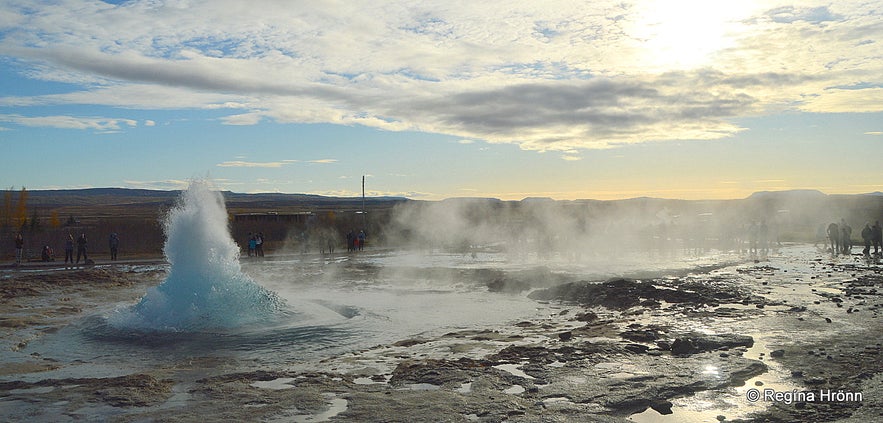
[
  {"x": 789, "y": 194},
  {"x": 97, "y": 196},
  {"x": 803, "y": 204},
  {"x": 106, "y": 192},
  {"x": 89, "y": 197},
  {"x": 127, "y": 196}
]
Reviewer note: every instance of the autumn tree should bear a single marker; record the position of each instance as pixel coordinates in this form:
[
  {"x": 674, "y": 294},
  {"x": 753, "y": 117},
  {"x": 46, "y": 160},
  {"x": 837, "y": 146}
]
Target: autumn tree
[
  {"x": 21, "y": 208},
  {"x": 54, "y": 221},
  {"x": 7, "y": 208}
]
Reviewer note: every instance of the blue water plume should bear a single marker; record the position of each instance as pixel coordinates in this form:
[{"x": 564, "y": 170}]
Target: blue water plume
[{"x": 205, "y": 288}]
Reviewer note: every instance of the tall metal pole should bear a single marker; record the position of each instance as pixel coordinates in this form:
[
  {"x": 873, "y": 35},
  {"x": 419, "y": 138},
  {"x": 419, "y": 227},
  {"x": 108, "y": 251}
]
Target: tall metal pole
[{"x": 363, "y": 203}]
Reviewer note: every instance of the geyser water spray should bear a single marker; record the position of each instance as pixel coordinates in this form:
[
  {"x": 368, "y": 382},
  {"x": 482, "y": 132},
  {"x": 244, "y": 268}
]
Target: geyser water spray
[{"x": 205, "y": 288}]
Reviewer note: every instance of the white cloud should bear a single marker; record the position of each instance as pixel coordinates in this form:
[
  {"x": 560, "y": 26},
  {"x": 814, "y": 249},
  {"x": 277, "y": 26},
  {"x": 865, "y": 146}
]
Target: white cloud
[
  {"x": 239, "y": 163},
  {"x": 169, "y": 184},
  {"x": 550, "y": 76},
  {"x": 70, "y": 122},
  {"x": 349, "y": 193},
  {"x": 844, "y": 101},
  {"x": 273, "y": 164},
  {"x": 243, "y": 119},
  {"x": 141, "y": 96}
]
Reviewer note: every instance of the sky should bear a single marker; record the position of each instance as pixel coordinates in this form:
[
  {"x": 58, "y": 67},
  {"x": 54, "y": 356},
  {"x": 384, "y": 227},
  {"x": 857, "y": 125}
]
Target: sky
[{"x": 691, "y": 99}]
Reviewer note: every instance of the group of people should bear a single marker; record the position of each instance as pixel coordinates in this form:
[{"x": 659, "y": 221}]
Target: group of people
[
  {"x": 840, "y": 238},
  {"x": 758, "y": 238},
  {"x": 48, "y": 254},
  {"x": 256, "y": 244},
  {"x": 81, "y": 243},
  {"x": 355, "y": 241}
]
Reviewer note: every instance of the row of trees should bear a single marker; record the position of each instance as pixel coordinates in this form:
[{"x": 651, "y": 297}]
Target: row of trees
[{"x": 14, "y": 214}]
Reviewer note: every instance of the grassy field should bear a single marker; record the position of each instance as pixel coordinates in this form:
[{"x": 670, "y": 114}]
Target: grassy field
[{"x": 286, "y": 222}]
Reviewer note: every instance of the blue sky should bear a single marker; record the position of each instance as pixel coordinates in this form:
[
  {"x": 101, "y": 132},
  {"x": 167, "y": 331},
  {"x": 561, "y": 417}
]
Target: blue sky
[{"x": 676, "y": 99}]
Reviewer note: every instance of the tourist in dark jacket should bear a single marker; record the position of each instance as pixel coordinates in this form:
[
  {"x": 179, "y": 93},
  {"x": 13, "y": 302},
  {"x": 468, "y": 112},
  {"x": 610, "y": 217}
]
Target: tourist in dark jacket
[
  {"x": 876, "y": 236},
  {"x": 81, "y": 248},
  {"x": 114, "y": 244},
  {"x": 867, "y": 235},
  {"x": 19, "y": 247},
  {"x": 69, "y": 249}
]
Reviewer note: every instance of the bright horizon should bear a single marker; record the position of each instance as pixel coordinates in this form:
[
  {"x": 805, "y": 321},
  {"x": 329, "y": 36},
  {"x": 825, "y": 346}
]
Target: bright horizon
[{"x": 568, "y": 100}]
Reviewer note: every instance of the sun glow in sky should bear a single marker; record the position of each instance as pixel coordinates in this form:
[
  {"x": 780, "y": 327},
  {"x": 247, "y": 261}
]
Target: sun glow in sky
[
  {"x": 687, "y": 34},
  {"x": 563, "y": 99}
]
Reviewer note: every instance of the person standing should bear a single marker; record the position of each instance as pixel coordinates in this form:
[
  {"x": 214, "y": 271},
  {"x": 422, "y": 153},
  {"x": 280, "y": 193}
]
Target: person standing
[
  {"x": 81, "y": 248},
  {"x": 845, "y": 237},
  {"x": 329, "y": 241},
  {"x": 252, "y": 244},
  {"x": 834, "y": 236},
  {"x": 867, "y": 235},
  {"x": 876, "y": 236},
  {"x": 69, "y": 249},
  {"x": 259, "y": 244},
  {"x": 19, "y": 247},
  {"x": 114, "y": 245}
]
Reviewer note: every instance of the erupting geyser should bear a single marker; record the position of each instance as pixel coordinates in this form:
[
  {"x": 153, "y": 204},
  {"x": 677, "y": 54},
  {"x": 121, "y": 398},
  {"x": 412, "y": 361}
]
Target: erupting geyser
[{"x": 205, "y": 287}]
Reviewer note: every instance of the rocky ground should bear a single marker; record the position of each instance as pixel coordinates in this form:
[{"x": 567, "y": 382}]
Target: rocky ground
[{"x": 686, "y": 346}]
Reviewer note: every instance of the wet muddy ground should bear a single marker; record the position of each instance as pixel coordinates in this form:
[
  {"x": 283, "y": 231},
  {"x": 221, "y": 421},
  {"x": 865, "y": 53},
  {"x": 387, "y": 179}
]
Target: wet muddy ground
[{"x": 793, "y": 337}]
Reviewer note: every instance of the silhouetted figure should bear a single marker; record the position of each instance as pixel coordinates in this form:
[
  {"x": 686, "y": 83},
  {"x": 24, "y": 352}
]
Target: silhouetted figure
[
  {"x": 350, "y": 240},
  {"x": 81, "y": 248},
  {"x": 69, "y": 249},
  {"x": 845, "y": 237},
  {"x": 326, "y": 242},
  {"x": 114, "y": 244},
  {"x": 361, "y": 237},
  {"x": 876, "y": 236},
  {"x": 867, "y": 236},
  {"x": 834, "y": 236},
  {"x": 19, "y": 247}
]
